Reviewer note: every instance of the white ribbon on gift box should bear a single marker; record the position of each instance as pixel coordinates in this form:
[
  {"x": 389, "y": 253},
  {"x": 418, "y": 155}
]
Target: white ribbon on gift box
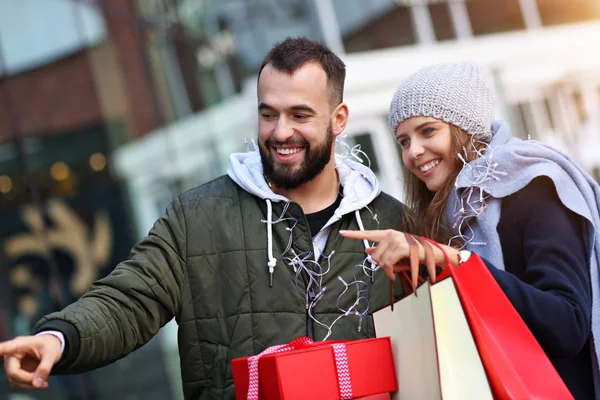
[{"x": 340, "y": 357}]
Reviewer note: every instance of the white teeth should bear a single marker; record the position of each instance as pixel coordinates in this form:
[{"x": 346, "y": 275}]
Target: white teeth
[
  {"x": 288, "y": 151},
  {"x": 428, "y": 166}
]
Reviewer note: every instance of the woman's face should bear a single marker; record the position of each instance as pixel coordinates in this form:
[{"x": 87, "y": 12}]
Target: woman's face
[{"x": 426, "y": 145}]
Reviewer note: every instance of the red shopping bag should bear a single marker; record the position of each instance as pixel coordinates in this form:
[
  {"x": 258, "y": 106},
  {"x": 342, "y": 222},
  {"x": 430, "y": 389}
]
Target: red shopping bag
[{"x": 515, "y": 363}]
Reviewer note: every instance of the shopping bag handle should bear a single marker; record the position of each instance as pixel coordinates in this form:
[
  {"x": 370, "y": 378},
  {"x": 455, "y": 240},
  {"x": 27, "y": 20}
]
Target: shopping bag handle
[
  {"x": 400, "y": 270},
  {"x": 436, "y": 244}
]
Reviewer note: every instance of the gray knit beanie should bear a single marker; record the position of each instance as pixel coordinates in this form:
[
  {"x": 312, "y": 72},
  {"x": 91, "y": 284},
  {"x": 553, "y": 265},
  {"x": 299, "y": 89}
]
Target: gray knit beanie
[{"x": 458, "y": 93}]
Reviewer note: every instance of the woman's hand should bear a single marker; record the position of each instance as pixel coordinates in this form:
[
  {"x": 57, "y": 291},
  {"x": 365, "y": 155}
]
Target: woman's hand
[{"x": 394, "y": 248}]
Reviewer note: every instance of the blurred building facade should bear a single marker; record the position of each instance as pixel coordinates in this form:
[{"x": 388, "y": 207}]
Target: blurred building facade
[
  {"x": 75, "y": 84},
  {"x": 540, "y": 53},
  {"x": 104, "y": 121}
]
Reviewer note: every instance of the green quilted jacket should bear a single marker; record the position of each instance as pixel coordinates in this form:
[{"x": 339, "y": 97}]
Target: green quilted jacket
[{"x": 204, "y": 263}]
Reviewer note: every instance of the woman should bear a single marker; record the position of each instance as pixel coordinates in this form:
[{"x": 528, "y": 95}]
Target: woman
[{"x": 526, "y": 208}]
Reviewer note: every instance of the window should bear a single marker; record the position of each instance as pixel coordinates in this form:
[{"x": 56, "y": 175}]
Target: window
[
  {"x": 579, "y": 106},
  {"x": 523, "y": 120},
  {"x": 492, "y": 16},
  {"x": 548, "y": 109},
  {"x": 554, "y": 12},
  {"x": 25, "y": 27},
  {"x": 442, "y": 22},
  {"x": 394, "y": 28}
]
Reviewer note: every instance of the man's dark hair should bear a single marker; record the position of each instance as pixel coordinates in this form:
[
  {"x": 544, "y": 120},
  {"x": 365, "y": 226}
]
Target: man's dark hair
[{"x": 293, "y": 53}]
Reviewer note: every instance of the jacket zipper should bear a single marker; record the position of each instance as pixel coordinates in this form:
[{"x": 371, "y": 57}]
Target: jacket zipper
[
  {"x": 311, "y": 296},
  {"x": 310, "y": 323}
]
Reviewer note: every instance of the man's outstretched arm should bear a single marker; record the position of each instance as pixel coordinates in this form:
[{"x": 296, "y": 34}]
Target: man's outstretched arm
[{"x": 117, "y": 315}]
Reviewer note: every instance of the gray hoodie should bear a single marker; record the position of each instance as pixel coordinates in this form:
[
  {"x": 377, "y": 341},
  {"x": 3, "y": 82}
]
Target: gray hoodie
[{"x": 359, "y": 188}]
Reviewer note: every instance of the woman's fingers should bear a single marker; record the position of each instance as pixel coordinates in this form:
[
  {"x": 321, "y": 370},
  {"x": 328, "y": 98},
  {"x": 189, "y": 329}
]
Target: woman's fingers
[
  {"x": 393, "y": 247},
  {"x": 389, "y": 272},
  {"x": 414, "y": 251},
  {"x": 378, "y": 255},
  {"x": 429, "y": 258},
  {"x": 395, "y": 254},
  {"x": 373, "y": 236}
]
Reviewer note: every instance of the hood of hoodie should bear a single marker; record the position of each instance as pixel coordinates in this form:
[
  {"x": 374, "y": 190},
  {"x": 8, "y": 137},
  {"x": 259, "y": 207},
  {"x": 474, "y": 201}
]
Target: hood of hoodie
[
  {"x": 359, "y": 188},
  {"x": 359, "y": 184}
]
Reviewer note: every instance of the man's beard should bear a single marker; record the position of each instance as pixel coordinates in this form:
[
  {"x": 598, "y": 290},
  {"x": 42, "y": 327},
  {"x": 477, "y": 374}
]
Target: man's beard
[{"x": 290, "y": 177}]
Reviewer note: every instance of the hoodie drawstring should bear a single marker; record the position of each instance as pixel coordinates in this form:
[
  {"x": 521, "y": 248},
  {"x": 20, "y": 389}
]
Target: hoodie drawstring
[
  {"x": 272, "y": 260},
  {"x": 366, "y": 243}
]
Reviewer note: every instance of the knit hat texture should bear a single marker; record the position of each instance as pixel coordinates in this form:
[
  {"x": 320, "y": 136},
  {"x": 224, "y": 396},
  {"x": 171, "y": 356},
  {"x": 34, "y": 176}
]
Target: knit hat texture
[{"x": 457, "y": 93}]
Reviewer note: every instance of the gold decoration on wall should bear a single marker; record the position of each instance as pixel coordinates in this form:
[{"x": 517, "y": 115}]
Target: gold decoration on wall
[
  {"x": 28, "y": 305},
  {"x": 90, "y": 249},
  {"x": 20, "y": 276}
]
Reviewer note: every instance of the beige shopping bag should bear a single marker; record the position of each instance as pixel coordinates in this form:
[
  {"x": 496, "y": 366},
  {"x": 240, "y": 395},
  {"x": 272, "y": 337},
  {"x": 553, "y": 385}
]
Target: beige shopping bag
[{"x": 434, "y": 351}]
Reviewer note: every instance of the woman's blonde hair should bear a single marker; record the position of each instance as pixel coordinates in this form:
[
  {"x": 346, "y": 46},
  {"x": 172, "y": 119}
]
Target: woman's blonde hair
[{"x": 428, "y": 209}]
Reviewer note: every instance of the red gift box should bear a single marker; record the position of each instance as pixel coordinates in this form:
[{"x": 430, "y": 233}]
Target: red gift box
[{"x": 323, "y": 370}]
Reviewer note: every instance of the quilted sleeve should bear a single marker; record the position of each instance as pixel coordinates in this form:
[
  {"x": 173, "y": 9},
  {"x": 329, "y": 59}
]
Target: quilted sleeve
[{"x": 124, "y": 310}]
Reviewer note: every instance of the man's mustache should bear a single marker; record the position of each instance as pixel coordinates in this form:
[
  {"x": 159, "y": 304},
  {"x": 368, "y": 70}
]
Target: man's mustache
[{"x": 298, "y": 142}]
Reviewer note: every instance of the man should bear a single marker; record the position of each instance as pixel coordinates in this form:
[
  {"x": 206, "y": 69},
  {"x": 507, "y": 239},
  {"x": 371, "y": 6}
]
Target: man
[{"x": 246, "y": 261}]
